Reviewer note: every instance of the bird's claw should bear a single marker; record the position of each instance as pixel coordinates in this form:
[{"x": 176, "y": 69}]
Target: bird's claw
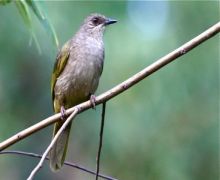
[
  {"x": 93, "y": 101},
  {"x": 63, "y": 113}
]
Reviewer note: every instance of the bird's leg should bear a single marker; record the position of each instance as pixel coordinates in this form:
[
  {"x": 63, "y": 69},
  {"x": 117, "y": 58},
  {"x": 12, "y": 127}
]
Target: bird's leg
[
  {"x": 63, "y": 113},
  {"x": 92, "y": 100}
]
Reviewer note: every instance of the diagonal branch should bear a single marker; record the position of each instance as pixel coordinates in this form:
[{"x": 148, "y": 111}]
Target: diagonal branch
[
  {"x": 65, "y": 163},
  {"x": 119, "y": 88},
  {"x": 40, "y": 164}
]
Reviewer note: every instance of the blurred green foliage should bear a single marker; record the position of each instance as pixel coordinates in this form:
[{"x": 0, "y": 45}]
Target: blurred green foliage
[
  {"x": 23, "y": 7},
  {"x": 4, "y": 2},
  {"x": 166, "y": 127}
]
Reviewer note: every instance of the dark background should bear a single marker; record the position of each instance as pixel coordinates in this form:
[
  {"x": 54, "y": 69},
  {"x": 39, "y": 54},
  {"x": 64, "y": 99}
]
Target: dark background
[{"x": 166, "y": 127}]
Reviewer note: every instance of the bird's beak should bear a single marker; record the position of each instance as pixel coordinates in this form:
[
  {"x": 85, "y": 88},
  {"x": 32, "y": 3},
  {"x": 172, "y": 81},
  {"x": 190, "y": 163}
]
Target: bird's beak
[{"x": 110, "y": 21}]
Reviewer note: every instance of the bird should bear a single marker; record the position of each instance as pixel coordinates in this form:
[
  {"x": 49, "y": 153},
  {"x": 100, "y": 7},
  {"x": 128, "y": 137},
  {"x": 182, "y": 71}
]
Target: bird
[{"x": 75, "y": 76}]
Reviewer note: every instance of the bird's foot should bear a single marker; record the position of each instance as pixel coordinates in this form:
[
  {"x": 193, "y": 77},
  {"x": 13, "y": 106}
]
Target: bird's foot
[
  {"x": 93, "y": 100},
  {"x": 63, "y": 113}
]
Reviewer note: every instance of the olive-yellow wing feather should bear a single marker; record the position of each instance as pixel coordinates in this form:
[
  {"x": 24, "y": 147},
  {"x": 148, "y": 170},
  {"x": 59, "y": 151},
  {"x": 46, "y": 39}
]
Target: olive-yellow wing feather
[
  {"x": 59, "y": 65},
  {"x": 58, "y": 152}
]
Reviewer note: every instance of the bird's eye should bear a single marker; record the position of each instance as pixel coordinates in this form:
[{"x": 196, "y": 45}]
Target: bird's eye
[{"x": 95, "y": 21}]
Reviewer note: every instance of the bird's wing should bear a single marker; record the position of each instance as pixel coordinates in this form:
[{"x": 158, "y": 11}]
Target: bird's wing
[{"x": 59, "y": 65}]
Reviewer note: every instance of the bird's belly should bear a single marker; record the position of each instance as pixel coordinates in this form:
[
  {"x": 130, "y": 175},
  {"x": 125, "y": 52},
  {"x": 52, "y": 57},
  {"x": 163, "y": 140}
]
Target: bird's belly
[{"x": 77, "y": 82}]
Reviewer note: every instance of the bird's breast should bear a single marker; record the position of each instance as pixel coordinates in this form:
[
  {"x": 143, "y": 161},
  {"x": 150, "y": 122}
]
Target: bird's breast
[{"x": 81, "y": 75}]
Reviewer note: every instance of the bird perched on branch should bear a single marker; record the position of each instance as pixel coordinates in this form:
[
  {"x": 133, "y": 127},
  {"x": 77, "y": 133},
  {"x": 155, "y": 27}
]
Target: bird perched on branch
[{"x": 75, "y": 77}]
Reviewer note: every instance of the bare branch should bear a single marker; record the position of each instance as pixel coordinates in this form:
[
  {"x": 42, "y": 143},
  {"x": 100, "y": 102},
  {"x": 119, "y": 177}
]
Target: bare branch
[
  {"x": 100, "y": 140},
  {"x": 119, "y": 88},
  {"x": 65, "y": 163},
  {"x": 24, "y": 133},
  {"x": 40, "y": 164}
]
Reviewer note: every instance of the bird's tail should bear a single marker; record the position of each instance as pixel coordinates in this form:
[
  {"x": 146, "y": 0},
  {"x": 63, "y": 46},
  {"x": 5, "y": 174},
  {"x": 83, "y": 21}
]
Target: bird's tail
[{"x": 58, "y": 151}]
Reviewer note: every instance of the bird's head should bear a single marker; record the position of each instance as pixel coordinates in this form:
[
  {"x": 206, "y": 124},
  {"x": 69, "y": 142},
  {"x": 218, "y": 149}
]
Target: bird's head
[{"x": 96, "y": 23}]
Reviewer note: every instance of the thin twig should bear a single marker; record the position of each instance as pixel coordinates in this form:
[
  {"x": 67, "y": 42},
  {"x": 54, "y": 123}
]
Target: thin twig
[
  {"x": 40, "y": 164},
  {"x": 119, "y": 88},
  {"x": 100, "y": 140},
  {"x": 65, "y": 163}
]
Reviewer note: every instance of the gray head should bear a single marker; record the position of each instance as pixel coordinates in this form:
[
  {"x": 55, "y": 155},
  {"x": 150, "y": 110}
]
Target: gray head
[{"x": 95, "y": 24}]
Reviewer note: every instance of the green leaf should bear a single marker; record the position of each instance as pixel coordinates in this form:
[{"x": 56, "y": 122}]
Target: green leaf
[
  {"x": 24, "y": 11},
  {"x": 23, "y": 7},
  {"x": 35, "y": 6}
]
